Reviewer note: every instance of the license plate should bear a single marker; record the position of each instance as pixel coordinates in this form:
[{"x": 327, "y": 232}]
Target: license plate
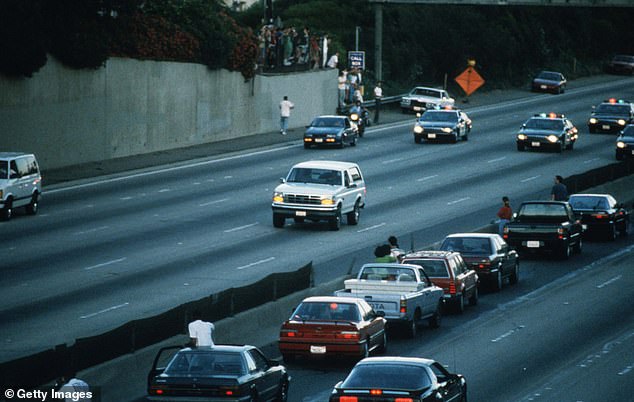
[
  {"x": 535, "y": 144},
  {"x": 300, "y": 213},
  {"x": 633, "y": 152},
  {"x": 320, "y": 350},
  {"x": 431, "y": 135},
  {"x": 319, "y": 140},
  {"x": 584, "y": 227},
  {"x": 377, "y": 306},
  {"x": 532, "y": 244},
  {"x": 605, "y": 127},
  {"x": 543, "y": 86},
  {"x": 417, "y": 108}
]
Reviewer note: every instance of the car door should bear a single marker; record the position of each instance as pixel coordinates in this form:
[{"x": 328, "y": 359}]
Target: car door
[
  {"x": 448, "y": 385},
  {"x": 501, "y": 256},
  {"x": 371, "y": 326},
  {"x": 429, "y": 301},
  {"x": 16, "y": 182},
  {"x": 265, "y": 379},
  {"x": 575, "y": 225}
]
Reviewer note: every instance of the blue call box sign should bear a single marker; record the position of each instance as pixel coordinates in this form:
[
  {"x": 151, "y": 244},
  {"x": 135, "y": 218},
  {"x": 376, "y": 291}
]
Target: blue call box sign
[{"x": 356, "y": 59}]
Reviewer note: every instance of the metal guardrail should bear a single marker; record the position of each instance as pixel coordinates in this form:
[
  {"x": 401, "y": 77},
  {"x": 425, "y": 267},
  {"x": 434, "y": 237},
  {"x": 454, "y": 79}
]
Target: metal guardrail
[{"x": 369, "y": 104}]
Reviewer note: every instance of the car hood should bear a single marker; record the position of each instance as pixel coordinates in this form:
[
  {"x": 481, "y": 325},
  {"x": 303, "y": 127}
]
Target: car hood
[
  {"x": 436, "y": 124},
  {"x": 627, "y": 140},
  {"x": 324, "y": 130},
  {"x": 610, "y": 116},
  {"x": 540, "y": 133},
  {"x": 307, "y": 188},
  {"x": 546, "y": 82}
]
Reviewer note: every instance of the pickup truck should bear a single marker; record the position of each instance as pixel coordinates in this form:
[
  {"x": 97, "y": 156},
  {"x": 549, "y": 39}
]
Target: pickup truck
[
  {"x": 545, "y": 226},
  {"x": 403, "y": 292}
]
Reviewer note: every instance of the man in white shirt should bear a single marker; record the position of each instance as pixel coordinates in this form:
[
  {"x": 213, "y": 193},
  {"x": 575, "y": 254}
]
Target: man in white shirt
[
  {"x": 73, "y": 389},
  {"x": 201, "y": 332},
  {"x": 333, "y": 61},
  {"x": 378, "y": 94},
  {"x": 285, "y": 113}
]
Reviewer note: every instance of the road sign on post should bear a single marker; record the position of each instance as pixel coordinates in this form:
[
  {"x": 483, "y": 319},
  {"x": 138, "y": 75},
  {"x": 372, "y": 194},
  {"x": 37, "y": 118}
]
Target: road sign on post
[
  {"x": 469, "y": 80},
  {"x": 356, "y": 60}
]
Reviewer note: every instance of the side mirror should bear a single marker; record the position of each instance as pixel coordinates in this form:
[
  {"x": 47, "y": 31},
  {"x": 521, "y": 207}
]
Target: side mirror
[{"x": 282, "y": 180}]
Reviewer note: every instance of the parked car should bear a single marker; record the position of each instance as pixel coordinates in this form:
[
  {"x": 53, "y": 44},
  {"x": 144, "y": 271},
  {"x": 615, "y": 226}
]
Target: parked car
[
  {"x": 20, "y": 183},
  {"x": 600, "y": 213},
  {"x": 216, "y": 373},
  {"x": 611, "y": 115},
  {"x": 445, "y": 124},
  {"x": 333, "y": 326},
  {"x": 320, "y": 190},
  {"x": 404, "y": 292},
  {"x": 488, "y": 254},
  {"x": 420, "y": 99},
  {"x": 549, "y": 81},
  {"x": 545, "y": 226},
  {"x": 400, "y": 379},
  {"x": 625, "y": 143},
  {"x": 547, "y": 131},
  {"x": 448, "y": 270},
  {"x": 331, "y": 130},
  {"x": 621, "y": 64}
]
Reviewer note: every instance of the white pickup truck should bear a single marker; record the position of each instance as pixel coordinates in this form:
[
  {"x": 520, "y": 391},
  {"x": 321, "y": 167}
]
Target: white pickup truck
[{"x": 403, "y": 292}]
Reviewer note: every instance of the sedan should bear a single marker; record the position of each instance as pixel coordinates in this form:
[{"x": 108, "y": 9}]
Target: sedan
[
  {"x": 625, "y": 143},
  {"x": 488, "y": 254},
  {"x": 446, "y": 124},
  {"x": 333, "y": 326},
  {"x": 402, "y": 379},
  {"x": 221, "y": 372},
  {"x": 549, "y": 81},
  {"x": 331, "y": 130},
  {"x": 547, "y": 131},
  {"x": 621, "y": 64},
  {"x": 600, "y": 213}
]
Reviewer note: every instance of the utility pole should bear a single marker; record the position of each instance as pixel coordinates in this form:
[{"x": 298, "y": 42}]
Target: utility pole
[
  {"x": 378, "y": 41},
  {"x": 356, "y": 38}
]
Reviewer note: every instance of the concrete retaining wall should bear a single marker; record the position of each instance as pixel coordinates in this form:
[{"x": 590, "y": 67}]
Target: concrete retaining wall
[{"x": 131, "y": 107}]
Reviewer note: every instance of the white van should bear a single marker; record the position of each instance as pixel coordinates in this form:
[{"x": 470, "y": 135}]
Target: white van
[{"x": 20, "y": 183}]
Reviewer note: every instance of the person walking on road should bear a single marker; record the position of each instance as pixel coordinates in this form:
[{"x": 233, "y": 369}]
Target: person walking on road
[
  {"x": 559, "y": 191},
  {"x": 505, "y": 213},
  {"x": 200, "y": 332},
  {"x": 378, "y": 94},
  {"x": 285, "y": 113}
]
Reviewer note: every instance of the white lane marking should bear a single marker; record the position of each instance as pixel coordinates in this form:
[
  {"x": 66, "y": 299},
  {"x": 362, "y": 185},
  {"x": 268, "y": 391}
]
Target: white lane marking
[
  {"x": 591, "y": 160},
  {"x": 125, "y": 198},
  {"x": 240, "y": 227},
  {"x": 427, "y": 178},
  {"x": 118, "y": 306},
  {"x": 91, "y": 230},
  {"x": 212, "y": 202},
  {"x": 609, "y": 282},
  {"x": 103, "y": 264},
  {"x": 496, "y": 160},
  {"x": 392, "y": 161},
  {"x": 228, "y": 177},
  {"x": 507, "y": 334},
  {"x": 531, "y": 178},
  {"x": 459, "y": 200},
  {"x": 626, "y": 370},
  {"x": 164, "y": 190},
  {"x": 371, "y": 227},
  {"x": 264, "y": 261}
]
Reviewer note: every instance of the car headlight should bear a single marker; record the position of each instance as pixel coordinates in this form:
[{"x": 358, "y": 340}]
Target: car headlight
[
  {"x": 593, "y": 120},
  {"x": 552, "y": 138},
  {"x": 354, "y": 116},
  {"x": 418, "y": 129},
  {"x": 278, "y": 197},
  {"x": 327, "y": 201},
  {"x": 621, "y": 122},
  {"x": 522, "y": 137},
  {"x": 619, "y": 144},
  {"x": 446, "y": 130},
  {"x": 405, "y": 101}
]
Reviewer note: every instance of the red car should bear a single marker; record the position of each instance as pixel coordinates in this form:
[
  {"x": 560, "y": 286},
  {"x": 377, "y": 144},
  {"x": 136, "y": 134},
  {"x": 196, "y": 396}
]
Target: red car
[{"x": 329, "y": 325}]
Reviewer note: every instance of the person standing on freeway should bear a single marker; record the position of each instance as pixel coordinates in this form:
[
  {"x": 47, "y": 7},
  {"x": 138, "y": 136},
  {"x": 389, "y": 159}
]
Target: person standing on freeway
[
  {"x": 378, "y": 94},
  {"x": 285, "y": 113},
  {"x": 200, "y": 332},
  {"x": 559, "y": 191},
  {"x": 505, "y": 213}
]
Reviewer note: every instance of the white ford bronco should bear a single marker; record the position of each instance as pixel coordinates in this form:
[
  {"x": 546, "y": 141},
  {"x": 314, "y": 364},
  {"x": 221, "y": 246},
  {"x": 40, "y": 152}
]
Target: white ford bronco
[
  {"x": 320, "y": 190},
  {"x": 420, "y": 99}
]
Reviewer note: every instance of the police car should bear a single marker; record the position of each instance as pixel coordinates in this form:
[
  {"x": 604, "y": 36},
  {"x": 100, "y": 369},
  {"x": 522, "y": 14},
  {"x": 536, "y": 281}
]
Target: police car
[
  {"x": 612, "y": 115},
  {"x": 625, "y": 143},
  {"x": 547, "y": 131},
  {"x": 442, "y": 124}
]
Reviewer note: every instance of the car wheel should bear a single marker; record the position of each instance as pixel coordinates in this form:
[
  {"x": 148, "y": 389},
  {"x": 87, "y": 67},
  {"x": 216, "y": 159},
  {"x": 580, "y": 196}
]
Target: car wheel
[
  {"x": 306, "y": 145},
  {"x": 361, "y": 132},
  {"x": 497, "y": 283},
  {"x": 436, "y": 319},
  {"x": 353, "y": 143},
  {"x": 7, "y": 211},
  {"x": 460, "y": 304},
  {"x": 619, "y": 157},
  {"x": 32, "y": 207},
  {"x": 341, "y": 144},
  {"x": 465, "y": 137},
  {"x": 612, "y": 235},
  {"x": 560, "y": 148},
  {"x": 404, "y": 111},
  {"x": 515, "y": 276},
  {"x": 565, "y": 253},
  {"x": 418, "y": 139},
  {"x": 454, "y": 139},
  {"x": 623, "y": 228},
  {"x": 521, "y": 147},
  {"x": 278, "y": 220},
  {"x": 335, "y": 222},
  {"x": 592, "y": 130},
  {"x": 353, "y": 216},
  {"x": 298, "y": 219},
  {"x": 282, "y": 393},
  {"x": 254, "y": 396},
  {"x": 473, "y": 300},
  {"x": 289, "y": 358},
  {"x": 570, "y": 146}
]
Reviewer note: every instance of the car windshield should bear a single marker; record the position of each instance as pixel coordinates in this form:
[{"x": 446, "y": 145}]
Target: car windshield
[
  {"x": 542, "y": 211},
  {"x": 628, "y": 131},
  {"x": 622, "y": 58},
  {"x": 610, "y": 108},
  {"x": 209, "y": 363},
  {"x": 450, "y": 117},
  {"x": 545, "y": 75},
  {"x": 4, "y": 169},
  {"x": 327, "y": 122},
  {"x": 316, "y": 176},
  {"x": 326, "y": 311},
  {"x": 467, "y": 245},
  {"x": 388, "y": 274},
  {"x": 545, "y": 124},
  {"x": 426, "y": 92},
  {"x": 433, "y": 268},
  {"x": 387, "y": 376},
  {"x": 580, "y": 202}
]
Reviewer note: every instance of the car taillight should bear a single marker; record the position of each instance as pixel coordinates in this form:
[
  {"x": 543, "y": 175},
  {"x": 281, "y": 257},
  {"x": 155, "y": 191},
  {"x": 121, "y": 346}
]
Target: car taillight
[
  {"x": 403, "y": 400},
  {"x": 599, "y": 216},
  {"x": 348, "y": 399},
  {"x": 560, "y": 233},
  {"x": 229, "y": 391},
  {"x": 290, "y": 333},
  {"x": 403, "y": 308},
  {"x": 347, "y": 335},
  {"x": 155, "y": 390},
  {"x": 452, "y": 288},
  {"x": 376, "y": 392},
  {"x": 484, "y": 264}
]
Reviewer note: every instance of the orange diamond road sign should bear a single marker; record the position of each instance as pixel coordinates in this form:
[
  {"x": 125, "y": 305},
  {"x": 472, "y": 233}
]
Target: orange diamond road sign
[{"x": 469, "y": 80}]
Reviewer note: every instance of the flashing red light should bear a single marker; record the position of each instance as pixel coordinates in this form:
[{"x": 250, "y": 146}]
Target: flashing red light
[
  {"x": 376, "y": 392},
  {"x": 612, "y": 100},
  {"x": 333, "y": 306},
  {"x": 229, "y": 392},
  {"x": 552, "y": 115},
  {"x": 158, "y": 392},
  {"x": 348, "y": 399}
]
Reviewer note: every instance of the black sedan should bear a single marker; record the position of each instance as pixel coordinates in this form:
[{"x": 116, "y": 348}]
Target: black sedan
[
  {"x": 445, "y": 124},
  {"x": 400, "y": 379},
  {"x": 611, "y": 115},
  {"x": 601, "y": 214},
  {"x": 549, "y": 81},
  {"x": 625, "y": 143},
  {"x": 487, "y": 254},
  {"x": 217, "y": 373},
  {"x": 331, "y": 130},
  {"x": 621, "y": 64},
  {"x": 549, "y": 131}
]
